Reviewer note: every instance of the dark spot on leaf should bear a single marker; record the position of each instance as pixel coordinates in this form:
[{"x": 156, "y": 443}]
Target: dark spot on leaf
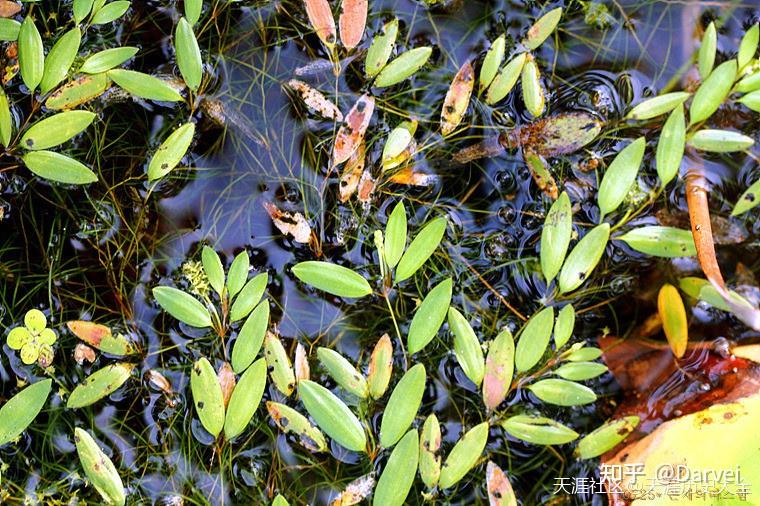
[
  {"x": 30, "y": 142},
  {"x": 200, "y": 405}
]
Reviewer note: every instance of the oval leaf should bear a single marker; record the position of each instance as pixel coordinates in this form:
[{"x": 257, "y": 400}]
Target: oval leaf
[
  {"x": 562, "y": 392},
  {"x": 279, "y": 364},
  {"x": 380, "y": 367},
  {"x": 22, "y": 409},
  {"x": 395, "y": 235},
  {"x": 56, "y": 129},
  {"x": 620, "y": 176},
  {"x": 245, "y": 399},
  {"x": 332, "y": 278},
  {"x": 492, "y": 62},
  {"x": 706, "y": 56},
  {"x": 351, "y": 134},
  {"x": 59, "y": 59},
  {"x": 564, "y": 326},
  {"x": 398, "y": 475},
  {"x": 353, "y": 18},
  {"x": 720, "y": 141},
  {"x": 659, "y": 241},
  {"x": 78, "y": 92},
  {"x": 583, "y": 259},
  {"x": 402, "y": 406},
  {"x": 712, "y": 92},
  {"x": 749, "y": 199},
  {"x": 555, "y": 236},
  {"x": 249, "y": 297},
  {"x": 506, "y": 80},
  {"x": 466, "y": 347},
  {"x": 421, "y": 248},
  {"x": 110, "y": 12},
  {"x": 606, "y": 437},
  {"x": 403, "y": 67},
  {"x": 188, "y": 54},
  {"x": 580, "y": 371},
  {"x": 99, "y": 384},
  {"x": 99, "y": 469},
  {"x": 57, "y": 167},
  {"x": 430, "y": 443},
  {"x": 6, "y": 120},
  {"x": 656, "y": 106},
  {"x": 671, "y": 145},
  {"x": 238, "y": 273},
  {"x": 212, "y": 266},
  {"x": 182, "y": 306},
  {"x": 193, "y": 10},
  {"x": 332, "y": 416},
  {"x": 107, "y": 59},
  {"x": 538, "y": 430},
  {"x": 31, "y": 59},
  {"x": 250, "y": 338},
  {"x": 144, "y": 86},
  {"x": 429, "y": 316},
  {"x": 533, "y": 92},
  {"x": 321, "y": 19},
  {"x": 748, "y": 46},
  {"x": 207, "y": 396},
  {"x": 534, "y": 340},
  {"x": 500, "y": 366},
  {"x": 457, "y": 99},
  {"x": 464, "y": 456},
  {"x": 673, "y": 315},
  {"x": 343, "y": 372},
  {"x": 500, "y": 491},
  {"x": 381, "y": 48},
  {"x": 171, "y": 152},
  {"x": 291, "y": 421}
]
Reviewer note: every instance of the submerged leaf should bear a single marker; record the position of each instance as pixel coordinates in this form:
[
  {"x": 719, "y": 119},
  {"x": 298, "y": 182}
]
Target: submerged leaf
[
  {"x": 492, "y": 62},
  {"x": 429, "y": 316},
  {"x": 380, "y": 367},
  {"x": 22, "y": 409},
  {"x": 606, "y": 437},
  {"x": 673, "y": 316},
  {"x": 532, "y": 91},
  {"x": 57, "y": 167},
  {"x": 430, "y": 443},
  {"x": 706, "y": 56},
  {"x": 659, "y": 241},
  {"x": 403, "y": 67},
  {"x": 534, "y": 340},
  {"x": 500, "y": 366},
  {"x": 321, "y": 19},
  {"x": 207, "y": 396},
  {"x": 381, "y": 48},
  {"x": 332, "y": 416},
  {"x": 555, "y": 236},
  {"x": 99, "y": 384},
  {"x": 712, "y": 92},
  {"x": 182, "y": 306},
  {"x": 315, "y": 100},
  {"x": 583, "y": 258},
  {"x": 402, "y": 406},
  {"x": 351, "y": 133},
  {"x": 542, "y": 28},
  {"x": 670, "y": 146},
  {"x": 421, "y": 248},
  {"x": 500, "y": 492},
  {"x": 503, "y": 83},
  {"x": 457, "y": 99},
  {"x": 56, "y": 129},
  {"x": 620, "y": 176},
  {"x": 562, "y": 392},
  {"x": 343, "y": 372},
  {"x": 293, "y": 224},
  {"x": 99, "y": 469},
  {"x": 291, "y": 421},
  {"x": 538, "y": 430},
  {"x": 353, "y": 18},
  {"x": 171, "y": 151},
  {"x": 332, "y": 278},
  {"x": 245, "y": 399},
  {"x": 250, "y": 338},
  {"x": 467, "y": 347},
  {"x": 398, "y": 475},
  {"x": 279, "y": 365},
  {"x": 464, "y": 455}
]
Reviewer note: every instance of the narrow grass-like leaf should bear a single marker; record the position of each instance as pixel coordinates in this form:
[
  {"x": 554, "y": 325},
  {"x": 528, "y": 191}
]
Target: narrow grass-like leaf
[
  {"x": 500, "y": 366},
  {"x": 500, "y": 492},
  {"x": 193, "y": 10},
  {"x": 212, "y": 266},
  {"x": 748, "y": 46},
  {"x": 249, "y": 297},
  {"x": 110, "y": 12},
  {"x": 207, "y": 396},
  {"x": 22, "y": 409},
  {"x": 656, "y": 106},
  {"x": 57, "y": 167},
  {"x": 237, "y": 276},
  {"x": 467, "y": 347},
  {"x": 671, "y": 145},
  {"x": 542, "y": 28},
  {"x": 403, "y": 67},
  {"x": 99, "y": 469},
  {"x": 532, "y": 91},
  {"x": 398, "y": 475},
  {"x": 279, "y": 364},
  {"x": 659, "y": 241},
  {"x": 381, "y": 48},
  {"x": 171, "y": 151},
  {"x": 749, "y": 199},
  {"x": 353, "y": 19},
  {"x": 9, "y": 30},
  {"x": 580, "y": 371},
  {"x": 674, "y": 321},
  {"x": 620, "y": 176},
  {"x": 534, "y": 340},
  {"x": 564, "y": 326},
  {"x": 99, "y": 384},
  {"x": 555, "y": 236},
  {"x": 59, "y": 59},
  {"x": 429, "y": 316},
  {"x": 182, "y": 306},
  {"x": 343, "y": 372},
  {"x": 457, "y": 99},
  {"x": 421, "y": 248},
  {"x": 31, "y": 58},
  {"x": 380, "y": 367},
  {"x": 250, "y": 338},
  {"x": 6, "y": 120},
  {"x": 245, "y": 399},
  {"x": 606, "y": 437},
  {"x": 395, "y": 235},
  {"x": 430, "y": 443},
  {"x": 562, "y": 392},
  {"x": 492, "y": 62},
  {"x": 720, "y": 141},
  {"x": 188, "y": 54},
  {"x": 107, "y": 59},
  {"x": 538, "y": 430},
  {"x": 144, "y": 85},
  {"x": 402, "y": 406},
  {"x": 291, "y": 421},
  {"x": 506, "y": 79},
  {"x": 78, "y": 92},
  {"x": 332, "y": 278},
  {"x": 583, "y": 258},
  {"x": 712, "y": 92},
  {"x": 332, "y": 416},
  {"x": 464, "y": 455},
  {"x": 56, "y": 129}
]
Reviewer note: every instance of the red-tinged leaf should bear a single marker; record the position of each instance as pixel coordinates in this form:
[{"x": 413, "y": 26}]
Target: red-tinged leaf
[
  {"x": 673, "y": 315},
  {"x": 351, "y": 133},
  {"x": 353, "y": 19},
  {"x": 9, "y": 9},
  {"x": 293, "y": 224},
  {"x": 352, "y": 172},
  {"x": 380, "y": 367},
  {"x": 366, "y": 187},
  {"x": 89, "y": 332},
  {"x": 226, "y": 378},
  {"x": 500, "y": 366},
  {"x": 500, "y": 492},
  {"x": 301, "y": 363},
  {"x": 410, "y": 177},
  {"x": 321, "y": 19},
  {"x": 457, "y": 99},
  {"x": 315, "y": 100}
]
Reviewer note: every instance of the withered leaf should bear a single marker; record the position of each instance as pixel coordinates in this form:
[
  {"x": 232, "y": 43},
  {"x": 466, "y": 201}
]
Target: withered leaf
[
  {"x": 353, "y": 18},
  {"x": 410, "y": 177},
  {"x": 366, "y": 187},
  {"x": 352, "y": 172},
  {"x": 500, "y": 491},
  {"x": 543, "y": 178},
  {"x": 321, "y": 19},
  {"x": 457, "y": 99},
  {"x": 226, "y": 378},
  {"x": 9, "y": 9},
  {"x": 315, "y": 100},
  {"x": 301, "y": 363},
  {"x": 293, "y": 224},
  {"x": 356, "y": 491},
  {"x": 351, "y": 133}
]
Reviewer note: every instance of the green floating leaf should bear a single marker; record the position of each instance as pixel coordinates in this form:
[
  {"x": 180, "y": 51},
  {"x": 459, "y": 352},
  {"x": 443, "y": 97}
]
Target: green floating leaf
[
  {"x": 658, "y": 105},
  {"x": 207, "y": 396},
  {"x": 583, "y": 258},
  {"x": 421, "y": 248},
  {"x": 671, "y": 145},
  {"x": 78, "y": 92},
  {"x": 380, "y": 49},
  {"x": 237, "y": 276},
  {"x": 500, "y": 492},
  {"x": 99, "y": 384},
  {"x": 402, "y": 406},
  {"x": 712, "y": 92},
  {"x": 188, "y": 54},
  {"x": 250, "y": 338},
  {"x": 751, "y": 100},
  {"x": 701, "y": 289},
  {"x": 56, "y": 129},
  {"x": 564, "y": 326},
  {"x": 171, "y": 152},
  {"x": 534, "y": 340},
  {"x": 31, "y": 58},
  {"x": 212, "y": 266},
  {"x": 81, "y": 9},
  {"x": 59, "y": 59},
  {"x": 429, "y": 459},
  {"x": 193, "y": 10},
  {"x": 380, "y": 367},
  {"x": 659, "y": 241},
  {"x": 538, "y": 430},
  {"x": 9, "y": 29},
  {"x": 720, "y": 141},
  {"x": 606, "y": 437},
  {"x": 555, "y": 236},
  {"x": 580, "y": 371},
  {"x": 332, "y": 278},
  {"x": 532, "y": 91},
  {"x": 403, "y": 67},
  {"x": 6, "y": 120},
  {"x": 542, "y": 28},
  {"x": 506, "y": 79},
  {"x": 332, "y": 416},
  {"x": 706, "y": 56},
  {"x": 57, "y": 167},
  {"x": 584, "y": 353},
  {"x": 675, "y": 323},
  {"x": 343, "y": 372},
  {"x": 22, "y": 409},
  {"x": 144, "y": 85},
  {"x": 291, "y": 421},
  {"x": 99, "y": 469},
  {"x": 110, "y": 12},
  {"x": 748, "y": 46},
  {"x": 562, "y": 392},
  {"x": 492, "y": 62},
  {"x": 500, "y": 366},
  {"x": 429, "y": 316},
  {"x": 245, "y": 399},
  {"x": 467, "y": 347},
  {"x": 398, "y": 475},
  {"x": 279, "y": 364},
  {"x": 182, "y": 306},
  {"x": 620, "y": 176},
  {"x": 749, "y": 199},
  {"x": 395, "y": 235},
  {"x": 249, "y": 297},
  {"x": 107, "y": 59},
  {"x": 464, "y": 456}
]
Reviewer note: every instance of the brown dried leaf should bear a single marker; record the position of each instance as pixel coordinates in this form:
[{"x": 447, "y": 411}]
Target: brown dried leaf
[
  {"x": 159, "y": 381},
  {"x": 353, "y": 19},
  {"x": 9, "y": 9},
  {"x": 83, "y": 353},
  {"x": 366, "y": 187},
  {"x": 410, "y": 177},
  {"x": 301, "y": 364},
  {"x": 500, "y": 492},
  {"x": 351, "y": 133},
  {"x": 315, "y": 100},
  {"x": 356, "y": 491},
  {"x": 544, "y": 180},
  {"x": 226, "y": 377},
  {"x": 457, "y": 99},
  {"x": 380, "y": 367},
  {"x": 487, "y": 148},
  {"x": 293, "y": 224},
  {"x": 321, "y": 19},
  {"x": 352, "y": 172}
]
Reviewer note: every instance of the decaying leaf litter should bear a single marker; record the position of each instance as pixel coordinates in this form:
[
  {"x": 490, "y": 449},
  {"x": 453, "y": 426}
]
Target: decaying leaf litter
[{"x": 416, "y": 105}]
